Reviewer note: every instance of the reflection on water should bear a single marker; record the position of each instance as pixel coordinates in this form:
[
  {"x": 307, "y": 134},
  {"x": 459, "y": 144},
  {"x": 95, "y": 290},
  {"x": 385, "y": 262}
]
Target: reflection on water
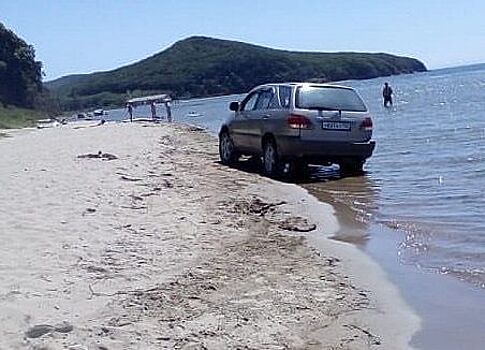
[{"x": 354, "y": 199}]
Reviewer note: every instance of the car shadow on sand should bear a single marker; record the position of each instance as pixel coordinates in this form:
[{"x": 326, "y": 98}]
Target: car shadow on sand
[{"x": 313, "y": 174}]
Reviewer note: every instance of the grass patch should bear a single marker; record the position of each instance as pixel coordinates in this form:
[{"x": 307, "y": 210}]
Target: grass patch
[{"x": 15, "y": 118}]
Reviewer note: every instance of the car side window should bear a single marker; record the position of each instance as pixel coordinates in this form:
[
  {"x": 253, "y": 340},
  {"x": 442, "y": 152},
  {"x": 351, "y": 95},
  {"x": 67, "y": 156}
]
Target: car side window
[
  {"x": 285, "y": 96},
  {"x": 274, "y": 103},
  {"x": 264, "y": 100},
  {"x": 250, "y": 102}
]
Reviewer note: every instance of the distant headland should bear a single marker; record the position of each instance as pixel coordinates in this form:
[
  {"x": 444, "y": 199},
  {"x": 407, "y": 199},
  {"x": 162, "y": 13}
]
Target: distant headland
[{"x": 201, "y": 66}]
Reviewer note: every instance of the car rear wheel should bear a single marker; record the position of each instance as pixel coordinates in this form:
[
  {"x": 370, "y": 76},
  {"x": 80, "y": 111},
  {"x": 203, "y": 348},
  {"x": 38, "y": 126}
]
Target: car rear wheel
[
  {"x": 227, "y": 151},
  {"x": 272, "y": 166}
]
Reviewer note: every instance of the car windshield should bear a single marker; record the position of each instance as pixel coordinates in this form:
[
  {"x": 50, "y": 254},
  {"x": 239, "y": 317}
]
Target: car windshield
[{"x": 329, "y": 98}]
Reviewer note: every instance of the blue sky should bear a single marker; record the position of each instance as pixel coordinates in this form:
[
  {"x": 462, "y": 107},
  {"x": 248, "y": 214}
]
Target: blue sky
[{"x": 86, "y": 35}]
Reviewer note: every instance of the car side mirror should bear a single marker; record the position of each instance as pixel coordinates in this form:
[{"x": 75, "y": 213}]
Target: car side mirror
[{"x": 234, "y": 106}]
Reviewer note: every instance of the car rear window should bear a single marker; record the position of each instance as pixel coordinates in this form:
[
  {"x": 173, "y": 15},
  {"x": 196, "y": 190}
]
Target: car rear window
[{"x": 329, "y": 98}]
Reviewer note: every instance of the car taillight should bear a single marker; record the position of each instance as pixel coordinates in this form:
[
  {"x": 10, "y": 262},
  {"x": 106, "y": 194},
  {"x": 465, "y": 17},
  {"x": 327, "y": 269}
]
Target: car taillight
[
  {"x": 366, "y": 124},
  {"x": 296, "y": 121}
]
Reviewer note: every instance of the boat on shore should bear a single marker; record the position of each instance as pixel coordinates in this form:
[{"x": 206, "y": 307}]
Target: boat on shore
[
  {"x": 99, "y": 112},
  {"x": 51, "y": 122},
  {"x": 194, "y": 115}
]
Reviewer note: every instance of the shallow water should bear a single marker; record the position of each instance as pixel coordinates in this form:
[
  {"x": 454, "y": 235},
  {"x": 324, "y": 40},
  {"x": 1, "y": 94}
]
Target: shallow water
[
  {"x": 429, "y": 168},
  {"x": 426, "y": 179}
]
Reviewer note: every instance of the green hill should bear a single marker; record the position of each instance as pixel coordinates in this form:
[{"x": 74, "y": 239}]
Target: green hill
[{"x": 200, "y": 66}]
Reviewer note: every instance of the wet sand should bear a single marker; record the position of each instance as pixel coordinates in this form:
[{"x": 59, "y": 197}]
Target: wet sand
[{"x": 135, "y": 237}]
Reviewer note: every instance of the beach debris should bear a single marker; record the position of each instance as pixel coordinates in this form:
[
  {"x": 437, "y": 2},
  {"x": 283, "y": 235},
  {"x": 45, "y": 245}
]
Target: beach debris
[
  {"x": 96, "y": 269},
  {"x": 77, "y": 347},
  {"x": 63, "y": 327},
  {"x": 167, "y": 183},
  {"x": 135, "y": 197},
  {"x": 373, "y": 339},
  {"x": 108, "y": 156},
  {"x": 136, "y": 292},
  {"x": 297, "y": 224},
  {"x": 148, "y": 194},
  {"x": 39, "y": 330},
  {"x": 88, "y": 211},
  {"x": 129, "y": 178},
  {"x": 256, "y": 206},
  {"x": 193, "y": 128},
  {"x": 332, "y": 261},
  {"x": 135, "y": 207},
  {"x": 99, "y": 155}
]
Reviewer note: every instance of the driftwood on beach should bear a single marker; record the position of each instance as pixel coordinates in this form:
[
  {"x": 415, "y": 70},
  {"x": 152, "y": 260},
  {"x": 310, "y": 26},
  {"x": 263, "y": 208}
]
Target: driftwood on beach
[{"x": 99, "y": 155}]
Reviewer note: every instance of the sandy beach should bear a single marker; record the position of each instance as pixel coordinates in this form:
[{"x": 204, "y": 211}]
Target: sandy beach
[{"x": 133, "y": 236}]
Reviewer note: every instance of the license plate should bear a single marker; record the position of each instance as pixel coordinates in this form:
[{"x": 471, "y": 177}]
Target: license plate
[{"x": 330, "y": 125}]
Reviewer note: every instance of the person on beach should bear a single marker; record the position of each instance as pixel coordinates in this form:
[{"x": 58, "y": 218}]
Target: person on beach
[
  {"x": 169, "y": 111},
  {"x": 387, "y": 94},
  {"x": 153, "y": 109},
  {"x": 130, "y": 111}
]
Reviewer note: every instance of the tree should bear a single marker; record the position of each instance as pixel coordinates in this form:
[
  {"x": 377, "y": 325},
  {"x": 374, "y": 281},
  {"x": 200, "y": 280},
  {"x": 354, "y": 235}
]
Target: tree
[{"x": 20, "y": 73}]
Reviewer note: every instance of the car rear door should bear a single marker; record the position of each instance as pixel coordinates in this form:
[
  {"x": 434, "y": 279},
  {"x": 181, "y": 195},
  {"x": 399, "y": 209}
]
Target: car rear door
[{"x": 274, "y": 117}]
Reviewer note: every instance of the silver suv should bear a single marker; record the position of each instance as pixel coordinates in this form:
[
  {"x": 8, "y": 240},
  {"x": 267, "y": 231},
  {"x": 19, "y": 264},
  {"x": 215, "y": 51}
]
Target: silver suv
[{"x": 298, "y": 124}]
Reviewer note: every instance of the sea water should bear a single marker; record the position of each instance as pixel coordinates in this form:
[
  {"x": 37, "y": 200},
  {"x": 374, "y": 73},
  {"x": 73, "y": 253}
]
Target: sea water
[{"x": 428, "y": 171}]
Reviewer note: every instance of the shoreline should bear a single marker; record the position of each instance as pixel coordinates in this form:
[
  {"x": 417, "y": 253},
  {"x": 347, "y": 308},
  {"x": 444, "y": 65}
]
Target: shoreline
[
  {"x": 165, "y": 217},
  {"x": 393, "y": 315}
]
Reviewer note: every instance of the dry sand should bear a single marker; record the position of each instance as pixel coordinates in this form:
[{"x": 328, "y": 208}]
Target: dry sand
[{"x": 152, "y": 244}]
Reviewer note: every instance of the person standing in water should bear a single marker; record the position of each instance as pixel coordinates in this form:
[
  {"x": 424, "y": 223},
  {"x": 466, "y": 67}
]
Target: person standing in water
[{"x": 387, "y": 94}]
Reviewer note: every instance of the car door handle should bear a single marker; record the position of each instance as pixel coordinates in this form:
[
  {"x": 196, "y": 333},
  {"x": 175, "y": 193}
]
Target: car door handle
[{"x": 266, "y": 116}]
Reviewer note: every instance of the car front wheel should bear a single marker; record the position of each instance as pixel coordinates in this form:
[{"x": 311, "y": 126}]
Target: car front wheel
[{"x": 227, "y": 151}]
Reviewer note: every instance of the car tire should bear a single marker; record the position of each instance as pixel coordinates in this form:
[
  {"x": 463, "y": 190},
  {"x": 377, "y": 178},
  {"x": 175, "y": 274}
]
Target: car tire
[
  {"x": 227, "y": 150},
  {"x": 351, "y": 168},
  {"x": 272, "y": 166}
]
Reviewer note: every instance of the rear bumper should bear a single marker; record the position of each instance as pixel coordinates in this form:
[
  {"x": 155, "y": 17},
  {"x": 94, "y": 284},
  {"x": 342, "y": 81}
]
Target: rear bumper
[{"x": 323, "y": 151}]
